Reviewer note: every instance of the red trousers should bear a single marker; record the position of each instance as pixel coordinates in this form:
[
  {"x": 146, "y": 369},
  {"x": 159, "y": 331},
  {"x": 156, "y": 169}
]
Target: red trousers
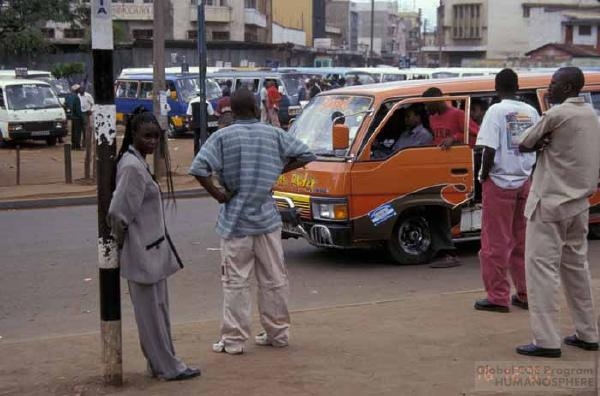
[{"x": 503, "y": 241}]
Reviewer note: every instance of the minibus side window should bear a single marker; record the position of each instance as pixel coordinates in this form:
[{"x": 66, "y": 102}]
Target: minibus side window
[
  {"x": 126, "y": 89},
  {"x": 146, "y": 90},
  {"x": 596, "y": 101},
  {"x": 2, "y": 106},
  {"x": 249, "y": 83},
  {"x": 408, "y": 127}
]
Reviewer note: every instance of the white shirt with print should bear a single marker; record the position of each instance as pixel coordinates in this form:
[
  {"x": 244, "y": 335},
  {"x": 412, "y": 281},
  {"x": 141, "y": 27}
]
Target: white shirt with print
[{"x": 501, "y": 128}]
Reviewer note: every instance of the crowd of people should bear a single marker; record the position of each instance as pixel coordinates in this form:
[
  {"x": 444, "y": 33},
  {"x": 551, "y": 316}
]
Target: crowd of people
[{"x": 534, "y": 228}]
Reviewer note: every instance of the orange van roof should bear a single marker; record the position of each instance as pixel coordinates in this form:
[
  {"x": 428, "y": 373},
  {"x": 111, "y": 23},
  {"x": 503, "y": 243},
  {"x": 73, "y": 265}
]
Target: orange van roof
[{"x": 452, "y": 85}]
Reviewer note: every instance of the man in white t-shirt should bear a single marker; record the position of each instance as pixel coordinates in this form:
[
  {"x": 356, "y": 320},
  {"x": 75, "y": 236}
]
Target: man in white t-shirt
[
  {"x": 504, "y": 176},
  {"x": 263, "y": 102},
  {"x": 87, "y": 105}
]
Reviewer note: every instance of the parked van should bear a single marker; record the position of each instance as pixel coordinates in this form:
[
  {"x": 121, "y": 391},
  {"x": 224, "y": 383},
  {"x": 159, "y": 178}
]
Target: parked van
[
  {"x": 450, "y": 72},
  {"x": 29, "y": 109},
  {"x": 60, "y": 87},
  {"x": 288, "y": 82},
  {"x": 387, "y": 74},
  {"x": 360, "y": 194},
  {"x": 133, "y": 90}
]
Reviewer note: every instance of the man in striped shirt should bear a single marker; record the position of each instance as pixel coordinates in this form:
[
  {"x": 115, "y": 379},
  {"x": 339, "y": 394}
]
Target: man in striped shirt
[{"x": 247, "y": 158}]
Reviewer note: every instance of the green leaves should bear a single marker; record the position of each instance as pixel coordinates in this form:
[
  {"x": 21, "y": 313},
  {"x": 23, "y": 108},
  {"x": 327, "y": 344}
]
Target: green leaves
[{"x": 21, "y": 22}]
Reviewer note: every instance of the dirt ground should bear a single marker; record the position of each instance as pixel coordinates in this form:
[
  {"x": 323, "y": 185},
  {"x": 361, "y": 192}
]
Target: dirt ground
[{"x": 42, "y": 169}]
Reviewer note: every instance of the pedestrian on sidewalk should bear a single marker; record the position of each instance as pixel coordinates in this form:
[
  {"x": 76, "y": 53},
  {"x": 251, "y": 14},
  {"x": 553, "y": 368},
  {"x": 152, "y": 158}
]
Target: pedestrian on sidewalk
[
  {"x": 504, "y": 176},
  {"x": 76, "y": 117},
  {"x": 273, "y": 101},
  {"x": 87, "y": 105},
  {"x": 248, "y": 157},
  {"x": 147, "y": 254},
  {"x": 557, "y": 210},
  {"x": 223, "y": 110}
]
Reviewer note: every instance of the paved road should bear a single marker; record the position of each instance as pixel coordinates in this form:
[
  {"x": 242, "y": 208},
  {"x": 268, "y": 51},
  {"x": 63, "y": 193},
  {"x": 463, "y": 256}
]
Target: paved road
[{"x": 49, "y": 272}]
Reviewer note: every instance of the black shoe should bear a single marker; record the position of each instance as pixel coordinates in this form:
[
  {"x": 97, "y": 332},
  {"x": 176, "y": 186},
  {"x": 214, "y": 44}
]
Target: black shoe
[
  {"x": 534, "y": 350},
  {"x": 189, "y": 372},
  {"x": 484, "y": 305},
  {"x": 576, "y": 342},
  {"x": 517, "y": 302}
]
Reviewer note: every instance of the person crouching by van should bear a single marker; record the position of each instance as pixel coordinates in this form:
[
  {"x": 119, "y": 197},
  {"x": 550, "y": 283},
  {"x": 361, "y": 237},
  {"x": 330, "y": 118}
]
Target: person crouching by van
[
  {"x": 504, "y": 177},
  {"x": 76, "y": 117},
  {"x": 147, "y": 255},
  {"x": 248, "y": 157},
  {"x": 223, "y": 110}
]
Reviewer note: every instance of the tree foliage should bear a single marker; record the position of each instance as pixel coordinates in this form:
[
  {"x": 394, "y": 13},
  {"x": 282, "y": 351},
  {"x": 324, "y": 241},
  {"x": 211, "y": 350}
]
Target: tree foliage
[
  {"x": 67, "y": 70},
  {"x": 21, "y": 22}
]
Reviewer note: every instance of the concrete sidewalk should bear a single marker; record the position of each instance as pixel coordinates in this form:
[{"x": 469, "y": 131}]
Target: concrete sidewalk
[{"x": 413, "y": 346}]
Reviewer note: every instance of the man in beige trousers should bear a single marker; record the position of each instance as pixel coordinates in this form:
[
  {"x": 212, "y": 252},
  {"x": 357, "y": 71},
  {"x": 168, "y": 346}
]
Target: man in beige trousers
[
  {"x": 568, "y": 140},
  {"x": 248, "y": 157}
]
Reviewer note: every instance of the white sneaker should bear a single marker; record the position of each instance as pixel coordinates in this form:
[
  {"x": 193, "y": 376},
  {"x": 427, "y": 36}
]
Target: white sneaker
[
  {"x": 263, "y": 339},
  {"x": 230, "y": 349}
]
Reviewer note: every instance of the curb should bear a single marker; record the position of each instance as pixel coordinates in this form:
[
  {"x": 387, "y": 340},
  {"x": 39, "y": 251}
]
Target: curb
[{"x": 80, "y": 201}]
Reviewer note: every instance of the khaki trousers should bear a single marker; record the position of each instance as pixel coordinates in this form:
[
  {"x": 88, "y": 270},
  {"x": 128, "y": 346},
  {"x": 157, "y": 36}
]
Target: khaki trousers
[
  {"x": 239, "y": 258},
  {"x": 555, "y": 252}
]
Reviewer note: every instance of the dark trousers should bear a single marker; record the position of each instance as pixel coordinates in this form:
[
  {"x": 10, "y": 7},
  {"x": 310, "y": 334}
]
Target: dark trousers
[
  {"x": 441, "y": 229},
  {"x": 76, "y": 129}
]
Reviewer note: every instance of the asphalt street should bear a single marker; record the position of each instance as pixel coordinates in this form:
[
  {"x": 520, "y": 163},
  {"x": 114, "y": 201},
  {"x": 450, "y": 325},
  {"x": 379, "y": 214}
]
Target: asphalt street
[{"x": 49, "y": 285}]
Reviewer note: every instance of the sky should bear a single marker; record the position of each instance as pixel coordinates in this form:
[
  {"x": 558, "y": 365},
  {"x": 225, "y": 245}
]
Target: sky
[{"x": 428, "y": 6}]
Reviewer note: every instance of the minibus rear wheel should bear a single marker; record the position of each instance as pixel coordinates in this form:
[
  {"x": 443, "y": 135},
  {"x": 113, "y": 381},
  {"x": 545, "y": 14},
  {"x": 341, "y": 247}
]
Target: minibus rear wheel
[
  {"x": 171, "y": 132},
  {"x": 411, "y": 241}
]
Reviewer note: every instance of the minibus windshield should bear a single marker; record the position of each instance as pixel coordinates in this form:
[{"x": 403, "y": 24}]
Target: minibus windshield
[
  {"x": 188, "y": 89},
  {"x": 30, "y": 96},
  {"x": 314, "y": 125}
]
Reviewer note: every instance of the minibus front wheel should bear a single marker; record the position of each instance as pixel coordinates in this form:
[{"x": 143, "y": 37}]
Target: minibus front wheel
[
  {"x": 51, "y": 141},
  {"x": 411, "y": 241}
]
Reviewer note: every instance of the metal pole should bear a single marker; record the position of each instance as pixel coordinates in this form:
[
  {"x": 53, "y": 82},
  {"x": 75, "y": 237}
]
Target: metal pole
[
  {"x": 68, "y": 166},
  {"x": 105, "y": 133},
  {"x": 158, "y": 53},
  {"x": 201, "y": 133},
  {"x": 370, "y": 63},
  {"x": 18, "y": 165}
]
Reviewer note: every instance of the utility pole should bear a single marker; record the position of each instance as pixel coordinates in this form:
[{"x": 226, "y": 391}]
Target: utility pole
[
  {"x": 370, "y": 63},
  {"x": 201, "y": 130},
  {"x": 159, "y": 86},
  {"x": 104, "y": 115}
]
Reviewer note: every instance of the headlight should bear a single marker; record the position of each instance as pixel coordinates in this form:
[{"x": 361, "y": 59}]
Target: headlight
[
  {"x": 60, "y": 125},
  {"x": 330, "y": 210},
  {"x": 15, "y": 127}
]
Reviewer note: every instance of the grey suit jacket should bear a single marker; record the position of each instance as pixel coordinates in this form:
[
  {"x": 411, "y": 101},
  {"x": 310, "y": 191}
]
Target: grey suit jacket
[{"x": 136, "y": 216}]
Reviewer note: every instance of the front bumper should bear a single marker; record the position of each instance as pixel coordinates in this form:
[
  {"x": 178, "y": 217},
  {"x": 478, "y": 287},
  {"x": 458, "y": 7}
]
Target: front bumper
[
  {"x": 34, "y": 132},
  {"x": 322, "y": 234}
]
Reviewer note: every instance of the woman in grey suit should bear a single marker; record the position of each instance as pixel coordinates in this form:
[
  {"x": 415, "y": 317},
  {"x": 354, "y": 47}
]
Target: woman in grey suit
[{"x": 147, "y": 255}]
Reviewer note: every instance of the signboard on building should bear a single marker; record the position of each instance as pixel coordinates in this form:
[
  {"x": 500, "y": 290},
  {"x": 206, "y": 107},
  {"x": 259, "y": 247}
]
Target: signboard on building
[
  {"x": 322, "y": 43},
  {"x": 132, "y": 12}
]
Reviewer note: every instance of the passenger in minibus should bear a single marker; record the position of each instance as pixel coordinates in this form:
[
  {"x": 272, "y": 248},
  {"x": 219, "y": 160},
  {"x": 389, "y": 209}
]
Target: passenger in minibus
[{"x": 415, "y": 133}]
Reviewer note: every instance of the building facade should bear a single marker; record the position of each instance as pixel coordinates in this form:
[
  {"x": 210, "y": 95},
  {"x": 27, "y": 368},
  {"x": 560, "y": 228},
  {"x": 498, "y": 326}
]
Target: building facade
[
  {"x": 479, "y": 32},
  {"x": 342, "y": 14},
  {"x": 386, "y": 30}
]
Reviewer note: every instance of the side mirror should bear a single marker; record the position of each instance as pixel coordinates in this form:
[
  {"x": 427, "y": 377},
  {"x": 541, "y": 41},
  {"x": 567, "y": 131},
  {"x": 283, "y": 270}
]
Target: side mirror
[
  {"x": 340, "y": 137},
  {"x": 173, "y": 95}
]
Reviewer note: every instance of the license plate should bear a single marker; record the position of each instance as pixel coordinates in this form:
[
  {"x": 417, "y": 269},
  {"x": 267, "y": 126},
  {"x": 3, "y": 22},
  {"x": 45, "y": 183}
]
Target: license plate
[
  {"x": 40, "y": 133},
  {"x": 470, "y": 220},
  {"x": 213, "y": 124}
]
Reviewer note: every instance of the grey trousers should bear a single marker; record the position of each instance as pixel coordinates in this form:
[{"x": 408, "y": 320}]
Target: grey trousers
[
  {"x": 240, "y": 257},
  {"x": 151, "y": 307},
  {"x": 555, "y": 252}
]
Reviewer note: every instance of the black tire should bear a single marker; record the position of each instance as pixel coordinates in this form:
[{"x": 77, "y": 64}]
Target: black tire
[
  {"x": 411, "y": 241},
  {"x": 51, "y": 141},
  {"x": 594, "y": 231}
]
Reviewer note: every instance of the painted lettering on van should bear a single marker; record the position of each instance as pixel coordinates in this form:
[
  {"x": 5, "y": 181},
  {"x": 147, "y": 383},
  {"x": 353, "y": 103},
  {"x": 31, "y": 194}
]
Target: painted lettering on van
[{"x": 303, "y": 181}]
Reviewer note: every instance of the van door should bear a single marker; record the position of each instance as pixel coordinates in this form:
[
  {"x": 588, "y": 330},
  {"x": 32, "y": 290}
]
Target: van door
[{"x": 407, "y": 179}]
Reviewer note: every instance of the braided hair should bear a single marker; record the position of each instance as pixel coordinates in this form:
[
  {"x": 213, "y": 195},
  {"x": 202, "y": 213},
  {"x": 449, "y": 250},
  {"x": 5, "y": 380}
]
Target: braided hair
[{"x": 133, "y": 124}]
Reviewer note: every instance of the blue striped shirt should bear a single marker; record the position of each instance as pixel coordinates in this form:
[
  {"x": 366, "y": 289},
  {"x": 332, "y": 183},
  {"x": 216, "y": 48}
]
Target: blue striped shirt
[{"x": 248, "y": 158}]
